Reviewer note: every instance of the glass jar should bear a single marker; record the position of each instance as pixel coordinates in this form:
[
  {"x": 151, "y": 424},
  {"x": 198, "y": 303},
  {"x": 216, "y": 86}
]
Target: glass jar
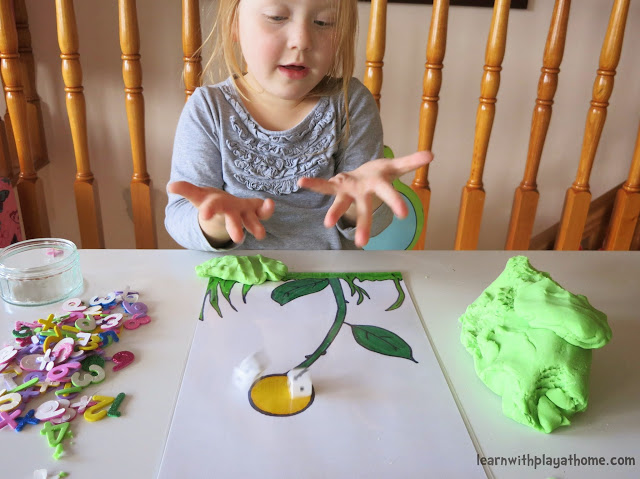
[{"x": 39, "y": 271}]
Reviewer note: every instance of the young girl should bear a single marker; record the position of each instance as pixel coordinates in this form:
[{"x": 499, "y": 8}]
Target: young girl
[{"x": 266, "y": 151}]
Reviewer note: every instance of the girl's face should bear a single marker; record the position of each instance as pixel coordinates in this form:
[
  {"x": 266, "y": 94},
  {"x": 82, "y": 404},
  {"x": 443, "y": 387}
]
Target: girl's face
[{"x": 288, "y": 45}]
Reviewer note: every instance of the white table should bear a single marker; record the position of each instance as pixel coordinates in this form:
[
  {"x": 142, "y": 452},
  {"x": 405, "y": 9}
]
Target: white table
[{"x": 442, "y": 284}]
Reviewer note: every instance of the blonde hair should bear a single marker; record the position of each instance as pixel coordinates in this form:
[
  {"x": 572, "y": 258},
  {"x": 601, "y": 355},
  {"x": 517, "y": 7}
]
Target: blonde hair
[{"x": 227, "y": 48}]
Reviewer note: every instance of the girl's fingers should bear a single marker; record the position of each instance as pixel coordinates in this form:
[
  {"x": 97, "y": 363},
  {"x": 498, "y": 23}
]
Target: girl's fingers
[
  {"x": 363, "y": 221},
  {"x": 388, "y": 194},
  {"x": 318, "y": 185},
  {"x": 253, "y": 225},
  {"x": 338, "y": 208},
  {"x": 265, "y": 210},
  {"x": 233, "y": 224},
  {"x": 193, "y": 193},
  {"x": 411, "y": 162},
  {"x": 207, "y": 208}
]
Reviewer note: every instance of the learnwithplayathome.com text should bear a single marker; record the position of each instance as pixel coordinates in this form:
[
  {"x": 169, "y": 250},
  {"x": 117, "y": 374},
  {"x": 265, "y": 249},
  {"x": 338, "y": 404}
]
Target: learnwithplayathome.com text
[{"x": 556, "y": 462}]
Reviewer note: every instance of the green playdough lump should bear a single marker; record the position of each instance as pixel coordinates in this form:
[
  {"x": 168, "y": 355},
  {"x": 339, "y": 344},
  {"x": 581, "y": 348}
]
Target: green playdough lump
[
  {"x": 531, "y": 343},
  {"x": 254, "y": 269}
]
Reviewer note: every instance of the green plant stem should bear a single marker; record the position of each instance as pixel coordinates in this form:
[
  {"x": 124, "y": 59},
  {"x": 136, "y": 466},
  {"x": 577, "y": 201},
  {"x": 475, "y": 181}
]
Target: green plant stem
[{"x": 335, "y": 327}]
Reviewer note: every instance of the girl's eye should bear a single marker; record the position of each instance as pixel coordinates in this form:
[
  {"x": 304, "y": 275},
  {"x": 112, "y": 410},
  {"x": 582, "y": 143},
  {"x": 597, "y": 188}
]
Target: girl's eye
[
  {"x": 323, "y": 23},
  {"x": 276, "y": 18}
]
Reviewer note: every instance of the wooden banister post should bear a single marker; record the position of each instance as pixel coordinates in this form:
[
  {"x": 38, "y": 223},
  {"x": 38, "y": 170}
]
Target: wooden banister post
[
  {"x": 143, "y": 215},
  {"x": 376, "y": 44},
  {"x": 431, "y": 83},
  {"x": 30, "y": 191},
  {"x": 525, "y": 200},
  {"x": 578, "y": 196},
  {"x": 84, "y": 187},
  {"x": 191, "y": 44},
  {"x": 472, "y": 202},
  {"x": 626, "y": 209}
]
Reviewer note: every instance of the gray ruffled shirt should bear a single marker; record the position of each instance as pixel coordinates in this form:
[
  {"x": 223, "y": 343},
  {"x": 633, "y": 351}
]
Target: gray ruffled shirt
[{"x": 219, "y": 144}]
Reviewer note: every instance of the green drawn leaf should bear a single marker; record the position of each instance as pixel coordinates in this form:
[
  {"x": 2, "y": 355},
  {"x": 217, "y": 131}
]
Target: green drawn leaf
[
  {"x": 225, "y": 287},
  {"x": 245, "y": 290},
  {"x": 400, "y": 299},
  {"x": 349, "y": 278},
  {"x": 381, "y": 341},
  {"x": 295, "y": 289},
  {"x": 212, "y": 291}
]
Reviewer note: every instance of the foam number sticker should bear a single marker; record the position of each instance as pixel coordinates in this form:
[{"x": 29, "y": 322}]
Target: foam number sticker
[
  {"x": 23, "y": 331},
  {"x": 98, "y": 373},
  {"x": 68, "y": 391},
  {"x": 63, "y": 349},
  {"x": 134, "y": 308},
  {"x": 48, "y": 410},
  {"x": 94, "y": 343},
  {"x": 113, "y": 410},
  {"x": 136, "y": 321},
  {"x": 7, "y": 380},
  {"x": 61, "y": 371},
  {"x": 6, "y": 354},
  {"x": 27, "y": 419},
  {"x": 82, "y": 404},
  {"x": 45, "y": 361},
  {"x": 50, "y": 431},
  {"x": 53, "y": 339},
  {"x": 108, "y": 337},
  {"x": 9, "y": 419},
  {"x": 8, "y": 402},
  {"x": 81, "y": 380},
  {"x": 95, "y": 375},
  {"x": 98, "y": 411},
  {"x": 46, "y": 384},
  {"x": 31, "y": 362},
  {"x": 112, "y": 321},
  {"x": 93, "y": 310},
  {"x": 122, "y": 359},
  {"x": 106, "y": 301},
  {"x": 86, "y": 324},
  {"x": 47, "y": 323},
  {"x": 126, "y": 295},
  {"x": 83, "y": 338},
  {"x": 73, "y": 305},
  {"x": 68, "y": 415}
]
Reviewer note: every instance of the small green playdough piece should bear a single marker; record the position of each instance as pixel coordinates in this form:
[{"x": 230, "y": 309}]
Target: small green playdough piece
[
  {"x": 254, "y": 269},
  {"x": 531, "y": 343}
]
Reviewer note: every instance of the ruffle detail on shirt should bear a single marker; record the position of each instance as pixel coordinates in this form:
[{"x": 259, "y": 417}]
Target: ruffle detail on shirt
[{"x": 274, "y": 161}]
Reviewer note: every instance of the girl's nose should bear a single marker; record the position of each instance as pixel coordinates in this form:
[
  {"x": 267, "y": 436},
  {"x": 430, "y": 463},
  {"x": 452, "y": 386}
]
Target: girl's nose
[{"x": 300, "y": 36}]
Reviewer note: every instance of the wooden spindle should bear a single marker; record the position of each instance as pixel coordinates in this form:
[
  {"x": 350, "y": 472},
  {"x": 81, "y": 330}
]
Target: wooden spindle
[
  {"x": 472, "y": 202},
  {"x": 30, "y": 191},
  {"x": 525, "y": 200},
  {"x": 431, "y": 83},
  {"x": 578, "y": 196},
  {"x": 626, "y": 209},
  {"x": 34, "y": 109},
  {"x": 191, "y": 44},
  {"x": 84, "y": 187},
  {"x": 376, "y": 44},
  {"x": 143, "y": 217}
]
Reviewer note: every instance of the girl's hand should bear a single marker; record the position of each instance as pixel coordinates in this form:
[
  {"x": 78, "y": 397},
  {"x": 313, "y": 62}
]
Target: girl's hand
[
  {"x": 359, "y": 192},
  {"x": 222, "y": 216}
]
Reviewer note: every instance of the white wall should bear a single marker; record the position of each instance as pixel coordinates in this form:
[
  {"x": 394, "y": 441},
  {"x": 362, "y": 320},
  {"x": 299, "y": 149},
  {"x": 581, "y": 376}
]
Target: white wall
[{"x": 160, "y": 24}]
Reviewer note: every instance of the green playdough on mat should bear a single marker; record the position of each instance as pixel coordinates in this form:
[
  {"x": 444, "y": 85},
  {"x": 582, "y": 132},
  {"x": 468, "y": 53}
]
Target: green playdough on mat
[
  {"x": 531, "y": 343},
  {"x": 254, "y": 269}
]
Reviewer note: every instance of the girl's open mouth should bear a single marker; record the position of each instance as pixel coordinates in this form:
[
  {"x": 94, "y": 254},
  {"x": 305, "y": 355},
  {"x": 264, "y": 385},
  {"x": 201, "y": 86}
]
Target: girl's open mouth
[{"x": 295, "y": 72}]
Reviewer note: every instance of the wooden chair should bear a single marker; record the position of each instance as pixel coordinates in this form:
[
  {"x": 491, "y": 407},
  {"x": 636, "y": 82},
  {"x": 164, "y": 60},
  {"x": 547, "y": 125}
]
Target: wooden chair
[
  {"x": 578, "y": 196},
  {"x": 20, "y": 98}
]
